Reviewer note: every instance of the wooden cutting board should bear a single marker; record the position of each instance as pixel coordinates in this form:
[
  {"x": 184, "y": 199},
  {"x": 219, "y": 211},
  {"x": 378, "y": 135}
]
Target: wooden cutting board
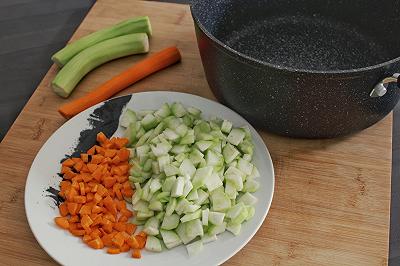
[{"x": 332, "y": 197}]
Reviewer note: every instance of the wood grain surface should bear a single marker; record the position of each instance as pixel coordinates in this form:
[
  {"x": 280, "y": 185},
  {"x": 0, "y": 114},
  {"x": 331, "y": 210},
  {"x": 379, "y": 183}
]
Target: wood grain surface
[{"x": 332, "y": 197}]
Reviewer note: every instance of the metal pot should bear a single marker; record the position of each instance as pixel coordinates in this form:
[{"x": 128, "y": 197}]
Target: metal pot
[{"x": 302, "y": 68}]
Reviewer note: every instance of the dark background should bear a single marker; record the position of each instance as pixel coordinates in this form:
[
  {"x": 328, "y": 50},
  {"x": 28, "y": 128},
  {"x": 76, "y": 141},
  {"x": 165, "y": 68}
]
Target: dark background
[{"x": 32, "y": 30}]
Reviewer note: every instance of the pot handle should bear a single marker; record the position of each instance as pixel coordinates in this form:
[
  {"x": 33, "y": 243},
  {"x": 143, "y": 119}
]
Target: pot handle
[{"x": 380, "y": 89}]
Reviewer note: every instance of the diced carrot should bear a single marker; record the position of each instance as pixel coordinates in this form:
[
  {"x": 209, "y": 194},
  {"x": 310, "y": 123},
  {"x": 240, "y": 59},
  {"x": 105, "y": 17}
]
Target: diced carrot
[
  {"x": 77, "y": 232},
  {"x": 127, "y": 213},
  {"x": 109, "y": 181},
  {"x": 85, "y": 209},
  {"x": 121, "y": 204},
  {"x": 85, "y": 157},
  {"x": 72, "y": 207},
  {"x": 69, "y": 174},
  {"x": 107, "y": 144},
  {"x": 126, "y": 185},
  {"x": 110, "y": 153},
  {"x": 62, "y": 222},
  {"x": 107, "y": 239},
  {"x": 68, "y": 162},
  {"x": 111, "y": 193},
  {"x": 115, "y": 160},
  {"x": 136, "y": 254},
  {"x": 142, "y": 234},
  {"x": 64, "y": 169},
  {"x": 120, "y": 142},
  {"x": 82, "y": 188},
  {"x": 132, "y": 242},
  {"x": 96, "y": 233},
  {"x": 113, "y": 251},
  {"x": 123, "y": 154},
  {"x": 106, "y": 161},
  {"x": 122, "y": 218},
  {"x": 118, "y": 240},
  {"x": 99, "y": 150},
  {"x": 76, "y": 160},
  {"x": 86, "y": 177},
  {"x": 127, "y": 192},
  {"x": 96, "y": 243},
  {"x": 73, "y": 219},
  {"x": 124, "y": 169},
  {"x": 119, "y": 226},
  {"x": 116, "y": 171},
  {"x": 97, "y": 174},
  {"x": 80, "y": 199},
  {"x": 117, "y": 190},
  {"x": 96, "y": 159},
  {"x": 89, "y": 196},
  {"x": 110, "y": 217},
  {"x": 78, "y": 166},
  {"x": 141, "y": 241},
  {"x": 86, "y": 238},
  {"x": 125, "y": 247},
  {"x": 108, "y": 227},
  {"x": 91, "y": 151},
  {"x": 110, "y": 205},
  {"x": 84, "y": 169},
  {"x": 92, "y": 167},
  {"x": 122, "y": 178},
  {"x": 86, "y": 221},
  {"x": 97, "y": 220},
  {"x": 63, "y": 209},
  {"x": 101, "y": 137},
  {"x": 97, "y": 198},
  {"x": 96, "y": 209},
  {"x": 75, "y": 185},
  {"x": 130, "y": 228},
  {"x": 64, "y": 185}
]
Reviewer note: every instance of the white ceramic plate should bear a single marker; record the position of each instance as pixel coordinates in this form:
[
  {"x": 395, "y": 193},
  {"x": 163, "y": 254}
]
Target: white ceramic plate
[{"x": 69, "y": 250}]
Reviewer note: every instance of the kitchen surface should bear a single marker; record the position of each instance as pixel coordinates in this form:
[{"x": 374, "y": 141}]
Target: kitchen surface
[{"x": 336, "y": 201}]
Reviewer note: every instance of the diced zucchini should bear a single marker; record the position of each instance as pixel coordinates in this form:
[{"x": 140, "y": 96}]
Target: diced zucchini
[
  {"x": 234, "y": 228},
  {"x": 178, "y": 110},
  {"x": 170, "y": 222},
  {"x": 219, "y": 200},
  {"x": 248, "y": 199},
  {"x": 129, "y": 117},
  {"x": 153, "y": 244},
  {"x": 246, "y": 147},
  {"x": 170, "y": 134},
  {"x": 171, "y": 170},
  {"x": 213, "y": 181},
  {"x": 237, "y": 213},
  {"x": 149, "y": 122},
  {"x": 191, "y": 216},
  {"x": 162, "y": 161},
  {"x": 177, "y": 188},
  {"x": 245, "y": 166},
  {"x": 144, "y": 215},
  {"x": 202, "y": 197},
  {"x": 250, "y": 185},
  {"x": 193, "y": 195},
  {"x": 230, "y": 153},
  {"x": 181, "y": 231},
  {"x": 168, "y": 183},
  {"x": 216, "y": 229},
  {"x": 142, "y": 140},
  {"x": 151, "y": 227},
  {"x": 191, "y": 208},
  {"x": 203, "y": 145},
  {"x": 226, "y": 126},
  {"x": 236, "y": 181},
  {"x": 181, "y": 205},
  {"x": 163, "y": 112},
  {"x": 200, "y": 176},
  {"x": 155, "y": 185},
  {"x": 236, "y": 136},
  {"x": 204, "y": 216},
  {"x": 171, "y": 205},
  {"x": 194, "y": 111},
  {"x": 250, "y": 212},
  {"x": 187, "y": 168},
  {"x": 230, "y": 190},
  {"x": 194, "y": 228},
  {"x": 196, "y": 156},
  {"x": 216, "y": 218},
  {"x": 207, "y": 238},
  {"x": 194, "y": 248},
  {"x": 170, "y": 238}
]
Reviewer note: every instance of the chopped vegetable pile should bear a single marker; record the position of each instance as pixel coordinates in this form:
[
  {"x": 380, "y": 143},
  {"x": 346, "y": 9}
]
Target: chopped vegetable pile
[
  {"x": 94, "y": 188},
  {"x": 194, "y": 178}
]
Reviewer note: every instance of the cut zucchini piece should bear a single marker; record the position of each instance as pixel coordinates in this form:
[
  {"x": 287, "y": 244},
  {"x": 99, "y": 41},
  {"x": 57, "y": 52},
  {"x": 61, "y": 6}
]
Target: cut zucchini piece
[
  {"x": 153, "y": 244},
  {"x": 170, "y": 222},
  {"x": 226, "y": 126},
  {"x": 194, "y": 248},
  {"x": 236, "y": 136}
]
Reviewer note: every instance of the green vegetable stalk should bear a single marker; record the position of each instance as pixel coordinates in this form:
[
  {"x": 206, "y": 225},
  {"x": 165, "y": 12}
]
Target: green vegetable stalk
[
  {"x": 90, "y": 58},
  {"x": 134, "y": 25}
]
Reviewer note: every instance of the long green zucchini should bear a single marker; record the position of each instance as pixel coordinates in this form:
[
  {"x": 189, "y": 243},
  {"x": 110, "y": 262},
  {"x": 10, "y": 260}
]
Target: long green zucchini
[
  {"x": 134, "y": 25},
  {"x": 90, "y": 58}
]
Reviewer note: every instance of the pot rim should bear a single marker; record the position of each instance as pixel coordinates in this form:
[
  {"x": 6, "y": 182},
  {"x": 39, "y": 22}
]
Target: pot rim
[{"x": 290, "y": 69}]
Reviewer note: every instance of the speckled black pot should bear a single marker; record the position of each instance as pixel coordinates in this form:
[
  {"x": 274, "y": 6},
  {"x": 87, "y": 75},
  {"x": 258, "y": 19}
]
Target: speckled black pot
[{"x": 296, "y": 101}]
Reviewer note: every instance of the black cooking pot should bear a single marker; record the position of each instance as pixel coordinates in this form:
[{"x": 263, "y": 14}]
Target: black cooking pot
[{"x": 302, "y": 68}]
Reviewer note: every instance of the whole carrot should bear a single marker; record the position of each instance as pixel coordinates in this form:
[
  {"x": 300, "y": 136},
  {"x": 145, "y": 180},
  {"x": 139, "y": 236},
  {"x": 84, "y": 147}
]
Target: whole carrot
[{"x": 133, "y": 74}]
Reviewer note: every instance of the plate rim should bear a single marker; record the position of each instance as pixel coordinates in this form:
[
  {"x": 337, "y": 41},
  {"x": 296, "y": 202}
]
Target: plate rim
[{"x": 92, "y": 108}]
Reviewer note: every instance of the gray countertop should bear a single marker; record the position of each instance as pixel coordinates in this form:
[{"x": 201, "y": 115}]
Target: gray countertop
[{"x": 32, "y": 30}]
